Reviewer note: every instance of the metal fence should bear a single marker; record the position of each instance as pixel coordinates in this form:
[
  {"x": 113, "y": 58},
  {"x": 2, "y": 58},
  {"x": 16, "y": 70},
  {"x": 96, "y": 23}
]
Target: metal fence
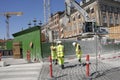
[
  {"x": 107, "y": 48},
  {"x": 6, "y": 52},
  {"x": 92, "y": 46}
]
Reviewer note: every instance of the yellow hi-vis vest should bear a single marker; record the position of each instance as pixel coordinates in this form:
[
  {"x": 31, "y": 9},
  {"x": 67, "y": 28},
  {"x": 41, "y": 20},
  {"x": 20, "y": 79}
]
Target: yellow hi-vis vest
[
  {"x": 53, "y": 52},
  {"x": 78, "y": 50},
  {"x": 60, "y": 50}
]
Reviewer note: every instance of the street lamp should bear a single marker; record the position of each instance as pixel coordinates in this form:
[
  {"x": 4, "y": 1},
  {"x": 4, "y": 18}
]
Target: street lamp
[
  {"x": 29, "y": 24},
  {"x": 34, "y": 21},
  {"x": 40, "y": 23},
  {"x": 8, "y": 15}
]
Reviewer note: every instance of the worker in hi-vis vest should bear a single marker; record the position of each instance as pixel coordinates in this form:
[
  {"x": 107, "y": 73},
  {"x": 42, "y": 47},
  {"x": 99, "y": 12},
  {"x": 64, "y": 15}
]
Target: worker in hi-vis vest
[
  {"x": 77, "y": 50},
  {"x": 53, "y": 53},
  {"x": 60, "y": 54}
]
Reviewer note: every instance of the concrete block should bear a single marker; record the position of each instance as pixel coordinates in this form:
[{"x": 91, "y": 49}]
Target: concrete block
[{"x": 2, "y": 64}]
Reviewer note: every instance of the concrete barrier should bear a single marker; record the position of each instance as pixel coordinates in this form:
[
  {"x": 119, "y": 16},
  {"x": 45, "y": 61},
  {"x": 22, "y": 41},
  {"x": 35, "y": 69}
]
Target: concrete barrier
[{"x": 2, "y": 63}]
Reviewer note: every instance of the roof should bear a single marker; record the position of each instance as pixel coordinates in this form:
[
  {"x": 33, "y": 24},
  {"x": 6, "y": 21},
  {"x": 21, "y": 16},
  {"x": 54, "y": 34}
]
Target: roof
[
  {"x": 59, "y": 12},
  {"x": 31, "y": 29}
]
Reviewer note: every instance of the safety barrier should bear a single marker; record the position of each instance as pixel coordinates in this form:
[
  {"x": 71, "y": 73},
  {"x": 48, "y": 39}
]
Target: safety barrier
[
  {"x": 28, "y": 56},
  {"x": 0, "y": 56},
  {"x": 6, "y": 52},
  {"x": 50, "y": 68},
  {"x": 110, "y": 58},
  {"x": 87, "y": 66}
]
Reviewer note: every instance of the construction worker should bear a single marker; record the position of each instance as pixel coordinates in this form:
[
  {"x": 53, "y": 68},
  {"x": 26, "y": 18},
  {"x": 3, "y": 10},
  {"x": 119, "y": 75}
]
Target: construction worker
[
  {"x": 60, "y": 54},
  {"x": 53, "y": 53},
  {"x": 77, "y": 50}
]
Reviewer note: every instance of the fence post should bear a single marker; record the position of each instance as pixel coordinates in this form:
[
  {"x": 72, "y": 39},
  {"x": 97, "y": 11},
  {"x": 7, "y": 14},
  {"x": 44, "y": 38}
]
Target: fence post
[
  {"x": 50, "y": 59},
  {"x": 87, "y": 66},
  {"x": 28, "y": 56},
  {"x": 0, "y": 56}
]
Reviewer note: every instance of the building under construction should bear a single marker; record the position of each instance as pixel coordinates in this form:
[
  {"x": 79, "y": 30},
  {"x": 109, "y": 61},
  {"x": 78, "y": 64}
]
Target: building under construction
[{"x": 106, "y": 14}]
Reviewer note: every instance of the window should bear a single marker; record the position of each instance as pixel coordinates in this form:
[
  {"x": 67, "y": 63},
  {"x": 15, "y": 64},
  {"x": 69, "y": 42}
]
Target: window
[
  {"x": 108, "y": 8},
  {"x": 69, "y": 21},
  {"x": 92, "y": 10},
  {"x": 104, "y": 19},
  {"x": 111, "y": 20},
  {"x": 73, "y": 18},
  {"x": 103, "y": 7},
  {"x": 118, "y": 10},
  {"x": 112, "y": 9},
  {"x": 88, "y": 10},
  {"x": 79, "y": 16},
  {"x": 115, "y": 10},
  {"x": 116, "y": 20}
]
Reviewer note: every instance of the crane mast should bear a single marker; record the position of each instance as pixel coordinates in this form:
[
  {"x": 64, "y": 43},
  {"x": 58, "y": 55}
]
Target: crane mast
[
  {"x": 46, "y": 11},
  {"x": 8, "y": 15}
]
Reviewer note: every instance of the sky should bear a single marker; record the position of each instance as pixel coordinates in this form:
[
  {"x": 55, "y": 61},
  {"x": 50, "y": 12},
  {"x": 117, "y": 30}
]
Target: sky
[{"x": 31, "y": 9}]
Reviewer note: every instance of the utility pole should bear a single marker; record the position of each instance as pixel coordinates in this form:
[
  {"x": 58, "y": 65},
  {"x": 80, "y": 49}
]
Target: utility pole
[{"x": 8, "y": 15}]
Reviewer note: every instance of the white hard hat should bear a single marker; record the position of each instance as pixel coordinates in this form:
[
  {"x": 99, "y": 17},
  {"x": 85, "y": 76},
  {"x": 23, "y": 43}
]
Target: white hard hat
[
  {"x": 59, "y": 42},
  {"x": 73, "y": 43}
]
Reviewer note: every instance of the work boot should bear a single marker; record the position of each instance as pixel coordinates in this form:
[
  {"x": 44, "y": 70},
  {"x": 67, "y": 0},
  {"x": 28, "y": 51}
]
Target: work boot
[
  {"x": 79, "y": 60},
  {"x": 56, "y": 62},
  {"x": 62, "y": 66},
  {"x": 53, "y": 61}
]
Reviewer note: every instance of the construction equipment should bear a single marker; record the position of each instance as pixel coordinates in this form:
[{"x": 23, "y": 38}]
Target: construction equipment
[
  {"x": 88, "y": 25},
  {"x": 8, "y": 15}
]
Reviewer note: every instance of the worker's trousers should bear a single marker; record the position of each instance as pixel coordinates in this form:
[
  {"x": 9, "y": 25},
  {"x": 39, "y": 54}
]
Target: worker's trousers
[{"x": 60, "y": 60}]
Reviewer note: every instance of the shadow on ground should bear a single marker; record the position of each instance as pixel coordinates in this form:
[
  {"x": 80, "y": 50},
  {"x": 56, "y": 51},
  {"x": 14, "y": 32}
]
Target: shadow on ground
[{"x": 98, "y": 74}]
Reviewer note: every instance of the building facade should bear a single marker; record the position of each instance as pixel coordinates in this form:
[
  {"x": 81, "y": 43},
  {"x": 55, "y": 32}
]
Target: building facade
[
  {"x": 52, "y": 28},
  {"x": 109, "y": 13},
  {"x": 105, "y": 13}
]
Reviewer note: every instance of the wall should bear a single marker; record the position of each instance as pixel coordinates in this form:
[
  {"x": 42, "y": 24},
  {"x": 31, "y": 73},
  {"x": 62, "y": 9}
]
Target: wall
[
  {"x": 30, "y": 38},
  {"x": 9, "y": 44},
  {"x": 114, "y": 32}
]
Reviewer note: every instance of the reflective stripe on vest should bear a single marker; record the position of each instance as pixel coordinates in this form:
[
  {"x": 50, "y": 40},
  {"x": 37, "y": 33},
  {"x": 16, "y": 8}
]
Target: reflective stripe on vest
[{"x": 77, "y": 47}]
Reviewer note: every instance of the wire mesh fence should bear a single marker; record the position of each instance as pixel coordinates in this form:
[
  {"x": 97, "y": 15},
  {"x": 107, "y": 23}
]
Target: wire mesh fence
[
  {"x": 104, "y": 50},
  {"x": 92, "y": 46}
]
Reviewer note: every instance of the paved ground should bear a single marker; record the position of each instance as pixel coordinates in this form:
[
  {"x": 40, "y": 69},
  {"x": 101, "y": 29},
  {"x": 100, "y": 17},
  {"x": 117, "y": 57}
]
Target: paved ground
[
  {"x": 108, "y": 68},
  {"x": 19, "y": 69},
  {"x": 74, "y": 71}
]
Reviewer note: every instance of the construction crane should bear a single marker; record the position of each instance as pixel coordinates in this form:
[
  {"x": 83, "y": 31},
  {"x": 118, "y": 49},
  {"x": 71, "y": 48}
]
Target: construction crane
[
  {"x": 8, "y": 15},
  {"x": 47, "y": 15},
  {"x": 46, "y": 11},
  {"x": 88, "y": 24}
]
